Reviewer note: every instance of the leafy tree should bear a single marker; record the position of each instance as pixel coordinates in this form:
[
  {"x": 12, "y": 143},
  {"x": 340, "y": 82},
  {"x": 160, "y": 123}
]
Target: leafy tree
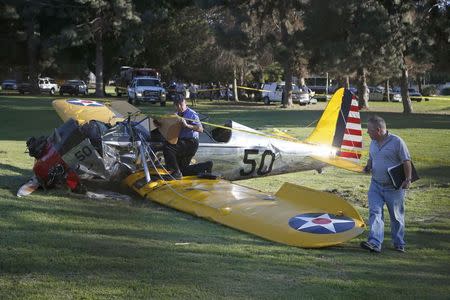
[
  {"x": 99, "y": 23},
  {"x": 409, "y": 37},
  {"x": 355, "y": 40},
  {"x": 11, "y": 34}
]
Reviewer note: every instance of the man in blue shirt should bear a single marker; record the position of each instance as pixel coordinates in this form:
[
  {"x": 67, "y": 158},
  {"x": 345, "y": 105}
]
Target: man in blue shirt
[
  {"x": 179, "y": 155},
  {"x": 386, "y": 150}
]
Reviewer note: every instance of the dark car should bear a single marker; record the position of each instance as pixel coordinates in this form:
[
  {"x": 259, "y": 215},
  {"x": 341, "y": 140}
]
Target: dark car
[
  {"x": 73, "y": 87},
  {"x": 414, "y": 95},
  {"x": 9, "y": 84},
  {"x": 24, "y": 87}
]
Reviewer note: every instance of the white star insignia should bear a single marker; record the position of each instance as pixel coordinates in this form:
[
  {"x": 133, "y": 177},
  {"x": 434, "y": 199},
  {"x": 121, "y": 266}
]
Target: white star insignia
[{"x": 324, "y": 221}]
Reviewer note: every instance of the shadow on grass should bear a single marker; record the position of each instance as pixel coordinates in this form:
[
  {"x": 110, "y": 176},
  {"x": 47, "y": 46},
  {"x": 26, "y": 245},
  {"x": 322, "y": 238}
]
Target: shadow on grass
[
  {"x": 15, "y": 169},
  {"x": 121, "y": 257},
  {"x": 438, "y": 174}
]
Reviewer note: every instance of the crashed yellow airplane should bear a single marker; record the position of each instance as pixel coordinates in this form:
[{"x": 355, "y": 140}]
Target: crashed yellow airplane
[{"x": 294, "y": 215}]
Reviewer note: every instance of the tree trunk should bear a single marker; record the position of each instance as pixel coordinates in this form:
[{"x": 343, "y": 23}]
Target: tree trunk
[
  {"x": 235, "y": 90},
  {"x": 347, "y": 82},
  {"x": 287, "y": 95},
  {"x": 386, "y": 91},
  {"x": 407, "y": 106},
  {"x": 363, "y": 90},
  {"x": 261, "y": 75},
  {"x": 32, "y": 55},
  {"x": 98, "y": 35},
  {"x": 241, "y": 76},
  {"x": 419, "y": 83}
]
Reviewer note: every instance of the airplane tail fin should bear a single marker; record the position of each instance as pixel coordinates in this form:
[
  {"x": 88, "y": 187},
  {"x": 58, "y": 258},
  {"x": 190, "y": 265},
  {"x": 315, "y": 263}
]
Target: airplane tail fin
[{"x": 340, "y": 126}]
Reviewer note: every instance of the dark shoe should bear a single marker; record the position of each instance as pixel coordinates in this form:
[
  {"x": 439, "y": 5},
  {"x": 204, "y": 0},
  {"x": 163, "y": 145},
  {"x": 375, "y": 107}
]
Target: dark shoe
[
  {"x": 400, "y": 249},
  {"x": 369, "y": 246}
]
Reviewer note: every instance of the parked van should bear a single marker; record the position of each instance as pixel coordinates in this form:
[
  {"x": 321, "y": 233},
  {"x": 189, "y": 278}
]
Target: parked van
[{"x": 273, "y": 92}]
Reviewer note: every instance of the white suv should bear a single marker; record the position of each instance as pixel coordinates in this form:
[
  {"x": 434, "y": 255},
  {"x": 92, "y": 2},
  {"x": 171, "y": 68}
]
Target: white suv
[{"x": 48, "y": 85}]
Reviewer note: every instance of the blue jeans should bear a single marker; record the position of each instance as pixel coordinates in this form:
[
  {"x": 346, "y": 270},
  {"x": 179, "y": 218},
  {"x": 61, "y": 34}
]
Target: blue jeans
[{"x": 379, "y": 195}]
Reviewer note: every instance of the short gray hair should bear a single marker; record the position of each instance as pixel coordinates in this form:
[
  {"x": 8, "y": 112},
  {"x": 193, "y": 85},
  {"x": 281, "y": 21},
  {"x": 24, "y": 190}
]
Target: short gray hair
[{"x": 378, "y": 121}]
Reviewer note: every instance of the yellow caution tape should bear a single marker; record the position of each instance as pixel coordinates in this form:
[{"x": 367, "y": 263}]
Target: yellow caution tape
[
  {"x": 252, "y": 89},
  {"x": 283, "y": 137},
  {"x": 432, "y": 97}
]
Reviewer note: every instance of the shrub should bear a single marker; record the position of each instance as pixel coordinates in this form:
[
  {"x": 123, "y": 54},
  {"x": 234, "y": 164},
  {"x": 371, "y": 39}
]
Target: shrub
[{"x": 429, "y": 90}]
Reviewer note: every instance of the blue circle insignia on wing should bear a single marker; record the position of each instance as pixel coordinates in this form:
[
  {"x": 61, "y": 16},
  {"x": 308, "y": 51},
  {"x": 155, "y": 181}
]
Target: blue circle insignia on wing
[
  {"x": 84, "y": 102},
  {"x": 321, "y": 223}
]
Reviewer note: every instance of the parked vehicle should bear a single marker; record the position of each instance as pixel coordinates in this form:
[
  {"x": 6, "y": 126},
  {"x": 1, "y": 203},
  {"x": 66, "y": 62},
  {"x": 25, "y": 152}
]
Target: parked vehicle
[
  {"x": 273, "y": 92},
  {"x": 9, "y": 84},
  {"x": 24, "y": 87},
  {"x": 146, "y": 89},
  {"x": 414, "y": 95},
  {"x": 377, "y": 93},
  {"x": 127, "y": 74},
  {"x": 73, "y": 87},
  {"x": 322, "y": 86},
  {"x": 46, "y": 85}
]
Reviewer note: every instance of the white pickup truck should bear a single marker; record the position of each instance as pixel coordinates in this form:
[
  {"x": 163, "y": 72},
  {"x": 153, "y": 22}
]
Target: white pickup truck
[{"x": 146, "y": 89}]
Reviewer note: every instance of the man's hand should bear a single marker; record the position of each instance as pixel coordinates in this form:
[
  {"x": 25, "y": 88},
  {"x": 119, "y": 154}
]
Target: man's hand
[
  {"x": 185, "y": 124},
  {"x": 406, "y": 184}
]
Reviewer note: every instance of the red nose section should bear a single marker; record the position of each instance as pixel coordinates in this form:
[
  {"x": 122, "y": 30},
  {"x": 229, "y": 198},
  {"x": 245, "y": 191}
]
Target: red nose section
[{"x": 49, "y": 160}]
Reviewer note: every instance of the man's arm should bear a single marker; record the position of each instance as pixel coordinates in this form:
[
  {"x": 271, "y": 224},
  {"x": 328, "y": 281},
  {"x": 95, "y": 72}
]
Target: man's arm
[
  {"x": 408, "y": 174},
  {"x": 196, "y": 127}
]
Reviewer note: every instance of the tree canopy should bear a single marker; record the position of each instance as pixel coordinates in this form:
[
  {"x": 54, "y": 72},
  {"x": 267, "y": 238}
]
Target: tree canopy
[{"x": 201, "y": 41}]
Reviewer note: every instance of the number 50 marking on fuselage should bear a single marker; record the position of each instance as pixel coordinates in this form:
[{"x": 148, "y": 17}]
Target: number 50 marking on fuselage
[{"x": 249, "y": 159}]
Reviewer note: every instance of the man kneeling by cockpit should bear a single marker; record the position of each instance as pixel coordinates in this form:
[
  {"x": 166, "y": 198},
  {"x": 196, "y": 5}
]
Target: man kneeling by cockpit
[{"x": 178, "y": 156}]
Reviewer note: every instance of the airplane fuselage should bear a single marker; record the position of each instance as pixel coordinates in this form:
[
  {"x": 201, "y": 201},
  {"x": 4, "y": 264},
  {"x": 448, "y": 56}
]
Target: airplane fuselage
[{"x": 247, "y": 155}]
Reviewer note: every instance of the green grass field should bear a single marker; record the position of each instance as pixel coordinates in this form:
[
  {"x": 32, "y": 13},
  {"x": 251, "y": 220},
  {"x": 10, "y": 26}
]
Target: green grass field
[{"x": 61, "y": 246}]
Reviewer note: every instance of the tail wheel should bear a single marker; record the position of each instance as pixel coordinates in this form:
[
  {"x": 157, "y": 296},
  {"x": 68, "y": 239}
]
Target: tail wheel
[{"x": 266, "y": 101}]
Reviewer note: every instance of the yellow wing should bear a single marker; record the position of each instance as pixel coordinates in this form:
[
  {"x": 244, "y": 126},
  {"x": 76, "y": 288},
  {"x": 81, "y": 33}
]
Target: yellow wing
[
  {"x": 295, "y": 215},
  {"x": 85, "y": 110}
]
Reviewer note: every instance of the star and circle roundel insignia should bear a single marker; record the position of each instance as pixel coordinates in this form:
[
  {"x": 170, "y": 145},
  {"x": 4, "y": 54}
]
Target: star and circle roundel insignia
[
  {"x": 321, "y": 223},
  {"x": 84, "y": 102}
]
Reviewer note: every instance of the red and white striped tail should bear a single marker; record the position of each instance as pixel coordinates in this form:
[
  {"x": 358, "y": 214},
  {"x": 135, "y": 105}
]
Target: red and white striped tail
[{"x": 351, "y": 146}]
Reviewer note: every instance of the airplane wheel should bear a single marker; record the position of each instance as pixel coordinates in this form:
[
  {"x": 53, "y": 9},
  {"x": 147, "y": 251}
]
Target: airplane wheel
[
  {"x": 52, "y": 91},
  {"x": 162, "y": 104},
  {"x": 266, "y": 101}
]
